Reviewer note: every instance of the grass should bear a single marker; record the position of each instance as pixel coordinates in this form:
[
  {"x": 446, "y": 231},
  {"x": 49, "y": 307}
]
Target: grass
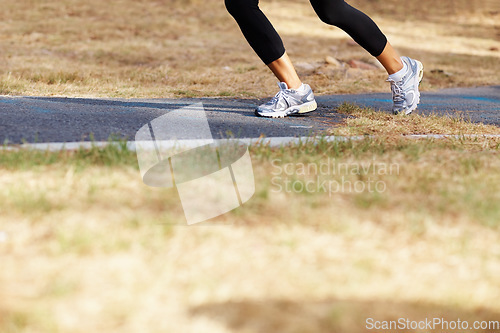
[
  {"x": 88, "y": 247},
  {"x": 383, "y": 227},
  {"x": 367, "y": 121},
  {"x": 194, "y": 48}
]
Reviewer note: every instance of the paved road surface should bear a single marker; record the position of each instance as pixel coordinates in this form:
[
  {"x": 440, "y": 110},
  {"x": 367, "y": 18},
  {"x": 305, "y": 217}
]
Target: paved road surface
[{"x": 47, "y": 119}]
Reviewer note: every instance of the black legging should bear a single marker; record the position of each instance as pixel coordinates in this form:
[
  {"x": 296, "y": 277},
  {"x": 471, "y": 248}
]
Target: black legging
[{"x": 266, "y": 42}]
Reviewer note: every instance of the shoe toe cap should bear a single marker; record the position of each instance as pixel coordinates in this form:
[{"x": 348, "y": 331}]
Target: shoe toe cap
[{"x": 261, "y": 109}]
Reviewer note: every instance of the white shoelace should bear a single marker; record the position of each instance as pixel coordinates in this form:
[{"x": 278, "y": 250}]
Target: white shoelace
[
  {"x": 281, "y": 94},
  {"x": 397, "y": 91}
]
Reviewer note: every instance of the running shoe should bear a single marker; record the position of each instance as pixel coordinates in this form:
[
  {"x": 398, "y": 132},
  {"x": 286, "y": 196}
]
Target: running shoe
[
  {"x": 405, "y": 92},
  {"x": 288, "y": 101}
]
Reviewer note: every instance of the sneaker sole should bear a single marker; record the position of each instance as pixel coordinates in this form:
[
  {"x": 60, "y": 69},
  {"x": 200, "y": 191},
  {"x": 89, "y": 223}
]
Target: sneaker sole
[
  {"x": 303, "y": 108},
  {"x": 419, "y": 78}
]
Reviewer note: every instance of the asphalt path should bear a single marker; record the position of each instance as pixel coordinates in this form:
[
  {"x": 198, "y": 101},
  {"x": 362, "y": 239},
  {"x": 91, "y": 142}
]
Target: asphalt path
[{"x": 54, "y": 119}]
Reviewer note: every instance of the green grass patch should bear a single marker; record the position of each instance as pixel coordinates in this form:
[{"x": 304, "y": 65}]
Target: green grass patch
[{"x": 114, "y": 154}]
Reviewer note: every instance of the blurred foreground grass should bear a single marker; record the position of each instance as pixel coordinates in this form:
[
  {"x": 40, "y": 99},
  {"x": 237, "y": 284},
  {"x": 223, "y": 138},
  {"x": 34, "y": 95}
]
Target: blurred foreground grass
[{"x": 399, "y": 228}]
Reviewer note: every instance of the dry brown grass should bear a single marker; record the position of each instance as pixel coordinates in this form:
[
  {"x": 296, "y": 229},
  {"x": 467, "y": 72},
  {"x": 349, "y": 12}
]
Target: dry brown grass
[
  {"x": 169, "y": 48},
  {"x": 366, "y": 121},
  {"x": 86, "y": 247}
]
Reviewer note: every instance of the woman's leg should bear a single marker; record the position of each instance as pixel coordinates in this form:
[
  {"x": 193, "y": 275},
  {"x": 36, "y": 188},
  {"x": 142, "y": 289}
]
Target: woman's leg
[
  {"x": 390, "y": 59},
  {"x": 266, "y": 42},
  {"x": 293, "y": 97},
  {"x": 355, "y": 23},
  {"x": 285, "y": 72},
  {"x": 405, "y": 74},
  {"x": 257, "y": 29},
  {"x": 264, "y": 39}
]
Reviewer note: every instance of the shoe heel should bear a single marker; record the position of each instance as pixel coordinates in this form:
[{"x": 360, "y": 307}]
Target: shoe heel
[
  {"x": 309, "y": 107},
  {"x": 420, "y": 71}
]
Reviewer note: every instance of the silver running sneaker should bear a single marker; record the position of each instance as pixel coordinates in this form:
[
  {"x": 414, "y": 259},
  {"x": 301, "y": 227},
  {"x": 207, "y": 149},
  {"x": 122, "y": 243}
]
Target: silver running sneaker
[
  {"x": 287, "y": 102},
  {"x": 405, "y": 93}
]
